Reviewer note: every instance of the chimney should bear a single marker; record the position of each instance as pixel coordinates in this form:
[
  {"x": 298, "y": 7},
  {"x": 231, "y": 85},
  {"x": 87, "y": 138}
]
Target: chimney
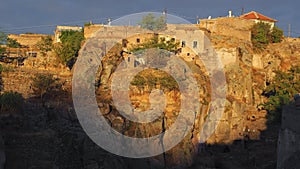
[
  {"x": 230, "y": 14},
  {"x": 109, "y": 22}
]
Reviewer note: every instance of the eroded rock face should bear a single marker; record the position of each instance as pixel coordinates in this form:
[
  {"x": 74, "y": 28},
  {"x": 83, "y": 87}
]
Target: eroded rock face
[
  {"x": 2, "y": 153},
  {"x": 289, "y": 137}
]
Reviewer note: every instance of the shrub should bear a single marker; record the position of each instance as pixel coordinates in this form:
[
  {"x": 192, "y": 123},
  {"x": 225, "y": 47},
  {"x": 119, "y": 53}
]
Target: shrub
[
  {"x": 70, "y": 45},
  {"x": 11, "y": 102},
  {"x": 277, "y": 35},
  {"x": 12, "y": 43},
  {"x": 280, "y": 92},
  {"x": 43, "y": 84},
  {"x": 262, "y": 35},
  {"x": 153, "y": 23}
]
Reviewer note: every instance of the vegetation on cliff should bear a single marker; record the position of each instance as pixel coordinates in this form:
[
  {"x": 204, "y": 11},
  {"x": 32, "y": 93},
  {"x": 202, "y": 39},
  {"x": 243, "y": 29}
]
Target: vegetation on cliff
[
  {"x": 45, "y": 44},
  {"x": 69, "y": 47},
  {"x": 151, "y": 78},
  {"x": 157, "y": 43},
  {"x": 3, "y": 38},
  {"x": 11, "y": 102},
  {"x": 280, "y": 92},
  {"x": 43, "y": 84},
  {"x": 262, "y": 34},
  {"x": 12, "y": 43}
]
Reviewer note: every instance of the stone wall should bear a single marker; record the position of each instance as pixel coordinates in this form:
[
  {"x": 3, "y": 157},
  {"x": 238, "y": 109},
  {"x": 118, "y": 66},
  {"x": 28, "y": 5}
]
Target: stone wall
[
  {"x": 29, "y": 40},
  {"x": 90, "y": 30},
  {"x": 233, "y": 27},
  {"x": 17, "y": 81}
]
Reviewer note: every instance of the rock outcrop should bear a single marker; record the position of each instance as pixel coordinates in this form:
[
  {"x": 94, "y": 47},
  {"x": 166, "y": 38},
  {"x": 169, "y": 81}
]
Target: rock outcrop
[{"x": 289, "y": 138}]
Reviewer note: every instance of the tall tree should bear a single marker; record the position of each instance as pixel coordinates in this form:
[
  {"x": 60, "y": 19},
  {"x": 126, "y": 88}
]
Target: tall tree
[
  {"x": 70, "y": 45},
  {"x": 153, "y": 23}
]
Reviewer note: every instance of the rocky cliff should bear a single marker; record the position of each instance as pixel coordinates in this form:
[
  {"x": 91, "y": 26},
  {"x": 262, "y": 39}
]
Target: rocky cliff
[{"x": 49, "y": 134}]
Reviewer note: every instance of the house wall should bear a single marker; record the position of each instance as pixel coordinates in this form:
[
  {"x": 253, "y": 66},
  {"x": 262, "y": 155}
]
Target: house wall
[
  {"x": 29, "y": 40},
  {"x": 90, "y": 30},
  {"x": 233, "y": 27}
]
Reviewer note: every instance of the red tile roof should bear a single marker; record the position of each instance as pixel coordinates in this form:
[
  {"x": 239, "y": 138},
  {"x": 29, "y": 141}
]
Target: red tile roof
[{"x": 258, "y": 16}]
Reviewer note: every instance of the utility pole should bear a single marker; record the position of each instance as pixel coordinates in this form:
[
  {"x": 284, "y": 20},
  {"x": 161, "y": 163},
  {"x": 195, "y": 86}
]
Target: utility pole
[
  {"x": 243, "y": 10},
  {"x": 289, "y": 33}
]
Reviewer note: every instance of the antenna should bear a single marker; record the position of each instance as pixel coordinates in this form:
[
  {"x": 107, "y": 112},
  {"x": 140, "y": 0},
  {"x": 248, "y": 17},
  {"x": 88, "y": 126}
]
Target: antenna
[
  {"x": 243, "y": 11},
  {"x": 289, "y": 33},
  {"x": 164, "y": 12}
]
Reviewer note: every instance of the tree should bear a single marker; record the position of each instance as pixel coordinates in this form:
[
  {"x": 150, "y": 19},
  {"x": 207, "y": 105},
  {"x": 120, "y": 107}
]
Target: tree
[
  {"x": 3, "y": 38},
  {"x": 262, "y": 35},
  {"x": 45, "y": 44},
  {"x": 280, "y": 92},
  {"x": 277, "y": 35},
  {"x": 12, "y": 43},
  {"x": 42, "y": 84},
  {"x": 70, "y": 45},
  {"x": 152, "y": 23}
]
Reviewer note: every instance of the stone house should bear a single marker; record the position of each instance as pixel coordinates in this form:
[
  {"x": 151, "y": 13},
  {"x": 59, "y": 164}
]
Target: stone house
[{"x": 257, "y": 17}]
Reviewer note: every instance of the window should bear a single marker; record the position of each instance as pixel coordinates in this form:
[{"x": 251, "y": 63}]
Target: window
[
  {"x": 183, "y": 44},
  {"x": 124, "y": 43},
  {"x": 188, "y": 54},
  {"x": 195, "y": 44},
  {"x": 138, "y": 40},
  {"x": 128, "y": 59}
]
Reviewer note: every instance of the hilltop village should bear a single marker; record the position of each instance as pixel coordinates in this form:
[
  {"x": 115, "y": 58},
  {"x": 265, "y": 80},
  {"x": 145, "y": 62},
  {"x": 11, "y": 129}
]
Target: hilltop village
[
  {"x": 238, "y": 29},
  {"x": 44, "y": 129}
]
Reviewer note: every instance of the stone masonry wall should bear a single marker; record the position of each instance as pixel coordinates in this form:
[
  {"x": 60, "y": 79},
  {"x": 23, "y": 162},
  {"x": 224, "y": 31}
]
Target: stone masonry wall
[
  {"x": 29, "y": 40},
  {"x": 234, "y": 27}
]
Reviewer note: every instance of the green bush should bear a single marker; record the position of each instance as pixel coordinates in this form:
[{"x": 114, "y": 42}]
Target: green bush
[
  {"x": 277, "y": 35},
  {"x": 280, "y": 92},
  {"x": 11, "y": 102},
  {"x": 153, "y": 78},
  {"x": 70, "y": 45},
  {"x": 12, "y": 43},
  {"x": 153, "y": 23},
  {"x": 43, "y": 83},
  {"x": 7, "y": 68},
  {"x": 262, "y": 35}
]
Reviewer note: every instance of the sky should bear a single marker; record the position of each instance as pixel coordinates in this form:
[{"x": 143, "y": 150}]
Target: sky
[{"x": 41, "y": 16}]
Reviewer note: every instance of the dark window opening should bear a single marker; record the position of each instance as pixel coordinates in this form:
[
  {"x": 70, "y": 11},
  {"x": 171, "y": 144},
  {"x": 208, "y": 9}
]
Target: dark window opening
[
  {"x": 195, "y": 44},
  {"x": 138, "y": 40},
  {"x": 183, "y": 44},
  {"x": 124, "y": 43},
  {"x": 128, "y": 59}
]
